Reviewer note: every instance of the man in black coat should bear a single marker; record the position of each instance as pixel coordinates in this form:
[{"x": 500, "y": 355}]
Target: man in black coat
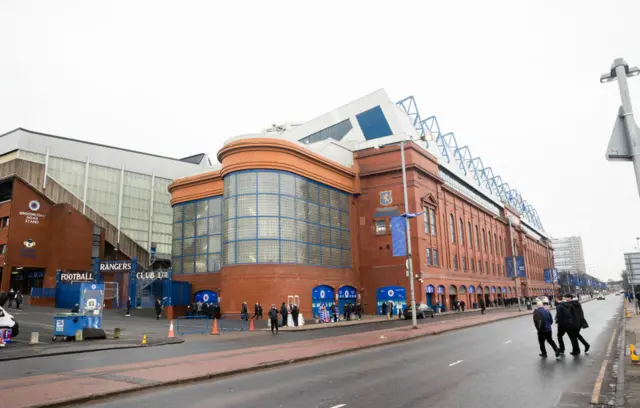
[
  {"x": 284, "y": 313},
  {"x": 294, "y": 314},
  {"x": 580, "y": 323},
  {"x": 565, "y": 320},
  {"x": 273, "y": 317}
]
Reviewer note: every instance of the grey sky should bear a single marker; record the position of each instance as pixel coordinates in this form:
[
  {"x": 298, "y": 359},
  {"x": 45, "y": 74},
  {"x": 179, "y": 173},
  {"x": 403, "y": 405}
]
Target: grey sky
[{"x": 517, "y": 81}]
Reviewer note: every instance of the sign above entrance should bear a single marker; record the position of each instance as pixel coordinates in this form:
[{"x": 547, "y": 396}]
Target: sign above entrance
[
  {"x": 82, "y": 276},
  {"x": 116, "y": 266},
  {"x": 32, "y": 216},
  {"x": 152, "y": 275}
]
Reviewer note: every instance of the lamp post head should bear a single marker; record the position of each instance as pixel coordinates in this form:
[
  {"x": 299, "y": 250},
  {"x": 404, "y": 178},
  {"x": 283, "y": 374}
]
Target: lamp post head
[{"x": 612, "y": 75}]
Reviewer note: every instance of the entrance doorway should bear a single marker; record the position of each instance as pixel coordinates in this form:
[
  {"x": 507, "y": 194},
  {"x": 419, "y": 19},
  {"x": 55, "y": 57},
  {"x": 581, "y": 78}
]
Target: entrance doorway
[
  {"x": 430, "y": 294},
  {"x": 24, "y": 279},
  {"x": 453, "y": 297}
]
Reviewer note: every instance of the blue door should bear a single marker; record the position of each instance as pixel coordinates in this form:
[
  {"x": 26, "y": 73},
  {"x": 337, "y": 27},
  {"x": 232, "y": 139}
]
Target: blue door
[
  {"x": 395, "y": 294},
  {"x": 430, "y": 291},
  {"x": 321, "y": 295},
  {"x": 346, "y": 294}
]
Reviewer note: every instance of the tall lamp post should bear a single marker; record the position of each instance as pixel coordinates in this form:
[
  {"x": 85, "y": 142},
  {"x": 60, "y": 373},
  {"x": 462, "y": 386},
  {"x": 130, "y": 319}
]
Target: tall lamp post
[
  {"x": 624, "y": 144},
  {"x": 553, "y": 279},
  {"x": 414, "y": 318}
]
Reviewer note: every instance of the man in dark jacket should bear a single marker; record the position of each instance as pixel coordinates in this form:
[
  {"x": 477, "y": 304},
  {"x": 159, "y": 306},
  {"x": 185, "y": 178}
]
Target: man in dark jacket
[
  {"x": 273, "y": 317},
  {"x": 284, "y": 313},
  {"x": 580, "y": 323},
  {"x": 543, "y": 321},
  {"x": 244, "y": 312},
  {"x": 481, "y": 304},
  {"x": 294, "y": 314},
  {"x": 565, "y": 321}
]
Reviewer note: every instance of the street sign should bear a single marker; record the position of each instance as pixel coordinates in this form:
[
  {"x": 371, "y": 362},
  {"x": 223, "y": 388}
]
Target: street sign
[
  {"x": 618, "y": 149},
  {"x": 632, "y": 265}
]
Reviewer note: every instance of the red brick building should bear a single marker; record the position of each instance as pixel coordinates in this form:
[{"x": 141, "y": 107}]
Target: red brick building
[
  {"x": 304, "y": 212},
  {"x": 38, "y": 238}
]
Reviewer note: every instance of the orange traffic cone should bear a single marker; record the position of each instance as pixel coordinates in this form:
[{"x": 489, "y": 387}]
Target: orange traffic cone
[
  {"x": 251, "y": 325},
  {"x": 171, "y": 334},
  {"x": 215, "y": 327}
]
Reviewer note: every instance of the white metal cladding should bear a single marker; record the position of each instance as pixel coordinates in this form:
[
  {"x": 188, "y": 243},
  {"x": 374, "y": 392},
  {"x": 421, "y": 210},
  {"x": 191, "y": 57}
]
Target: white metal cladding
[{"x": 136, "y": 199}]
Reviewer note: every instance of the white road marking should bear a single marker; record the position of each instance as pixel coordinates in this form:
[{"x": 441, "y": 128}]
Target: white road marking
[
  {"x": 86, "y": 358},
  {"x": 457, "y": 362},
  {"x": 339, "y": 406},
  {"x": 595, "y": 395},
  {"x": 507, "y": 342}
]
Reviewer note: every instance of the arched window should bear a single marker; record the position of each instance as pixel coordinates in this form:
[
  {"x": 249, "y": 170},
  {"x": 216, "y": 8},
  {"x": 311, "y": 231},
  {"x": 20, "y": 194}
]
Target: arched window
[
  {"x": 470, "y": 235},
  {"x": 452, "y": 228},
  {"x": 461, "y": 232}
]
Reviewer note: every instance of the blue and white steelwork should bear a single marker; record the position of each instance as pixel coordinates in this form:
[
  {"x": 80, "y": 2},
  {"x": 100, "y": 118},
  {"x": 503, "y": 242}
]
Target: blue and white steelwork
[{"x": 448, "y": 148}]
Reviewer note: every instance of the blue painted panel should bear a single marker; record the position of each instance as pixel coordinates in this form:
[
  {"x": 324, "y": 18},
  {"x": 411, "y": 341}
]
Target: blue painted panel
[
  {"x": 373, "y": 123},
  {"x": 396, "y": 294},
  {"x": 472, "y": 289},
  {"x": 321, "y": 295},
  {"x": 67, "y": 295},
  {"x": 430, "y": 289}
]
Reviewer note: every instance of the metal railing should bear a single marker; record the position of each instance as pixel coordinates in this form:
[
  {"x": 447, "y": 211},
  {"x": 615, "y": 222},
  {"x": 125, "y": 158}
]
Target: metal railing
[{"x": 193, "y": 324}]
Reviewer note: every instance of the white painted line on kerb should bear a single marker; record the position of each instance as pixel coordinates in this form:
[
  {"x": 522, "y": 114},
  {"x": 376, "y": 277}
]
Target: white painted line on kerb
[
  {"x": 595, "y": 395},
  {"x": 457, "y": 362},
  {"x": 339, "y": 406},
  {"x": 507, "y": 342}
]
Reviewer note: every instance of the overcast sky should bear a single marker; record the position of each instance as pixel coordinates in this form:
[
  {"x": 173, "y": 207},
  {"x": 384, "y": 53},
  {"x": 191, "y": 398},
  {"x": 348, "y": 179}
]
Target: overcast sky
[{"x": 517, "y": 81}]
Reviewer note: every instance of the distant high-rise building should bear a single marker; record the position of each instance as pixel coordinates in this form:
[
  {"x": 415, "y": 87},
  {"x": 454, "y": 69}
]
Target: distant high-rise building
[{"x": 568, "y": 255}]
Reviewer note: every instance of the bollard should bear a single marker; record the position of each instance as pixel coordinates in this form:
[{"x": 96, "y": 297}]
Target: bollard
[
  {"x": 78, "y": 335},
  {"x": 35, "y": 337},
  {"x": 116, "y": 333},
  {"x": 144, "y": 339}
]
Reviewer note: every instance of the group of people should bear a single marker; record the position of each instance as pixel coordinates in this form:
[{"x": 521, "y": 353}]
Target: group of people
[
  {"x": 331, "y": 313},
  {"x": 13, "y": 297},
  {"x": 290, "y": 315},
  {"x": 570, "y": 320},
  {"x": 390, "y": 308}
]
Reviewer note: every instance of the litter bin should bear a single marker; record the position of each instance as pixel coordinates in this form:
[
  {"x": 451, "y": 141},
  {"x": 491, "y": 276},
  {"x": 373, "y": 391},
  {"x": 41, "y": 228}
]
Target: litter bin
[{"x": 66, "y": 324}]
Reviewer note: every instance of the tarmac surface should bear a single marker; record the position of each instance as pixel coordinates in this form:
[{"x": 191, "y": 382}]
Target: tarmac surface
[{"x": 494, "y": 365}]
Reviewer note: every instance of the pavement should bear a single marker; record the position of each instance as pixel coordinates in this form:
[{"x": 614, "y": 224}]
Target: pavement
[
  {"x": 631, "y": 371},
  {"x": 407, "y": 374}
]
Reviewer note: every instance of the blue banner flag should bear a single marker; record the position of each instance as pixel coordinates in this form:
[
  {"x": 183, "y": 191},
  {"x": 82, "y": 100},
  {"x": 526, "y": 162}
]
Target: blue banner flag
[
  {"x": 399, "y": 236},
  {"x": 519, "y": 267},
  {"x": 547, "y": 275}
]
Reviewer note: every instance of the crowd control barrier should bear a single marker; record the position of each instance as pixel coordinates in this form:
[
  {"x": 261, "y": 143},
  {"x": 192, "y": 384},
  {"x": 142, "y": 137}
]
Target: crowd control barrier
[
  {"x": 193, "y": 324},
  {"x": 233, "y": 322}
]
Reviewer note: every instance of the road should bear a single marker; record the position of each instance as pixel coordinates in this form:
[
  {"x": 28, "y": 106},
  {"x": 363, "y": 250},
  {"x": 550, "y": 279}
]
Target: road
[
  {"x": 494, "y": 365},
  {"x": 195, "y": 344}
]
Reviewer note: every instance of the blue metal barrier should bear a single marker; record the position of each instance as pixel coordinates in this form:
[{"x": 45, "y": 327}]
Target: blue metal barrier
[
  {"x": 193, "y": 324},
  {"x": 233, "y": 322},
  {"x": 43, "y": 292}
]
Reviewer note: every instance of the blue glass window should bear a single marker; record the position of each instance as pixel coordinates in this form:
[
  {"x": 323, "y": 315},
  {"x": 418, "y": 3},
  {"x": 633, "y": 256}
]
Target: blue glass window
[
  {"x": 197, "y": 236},
  {"x": 373, "y": 123},
  {"x": 278, "y": 217},
  {"x": 336, "y": 132}
]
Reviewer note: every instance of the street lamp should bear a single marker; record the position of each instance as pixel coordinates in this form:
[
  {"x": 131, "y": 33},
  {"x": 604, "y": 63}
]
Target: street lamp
[
  {"x": 624, "y": 144},
  {"x": 409, "y": 262},
  {"x": 513, "y": 259}
]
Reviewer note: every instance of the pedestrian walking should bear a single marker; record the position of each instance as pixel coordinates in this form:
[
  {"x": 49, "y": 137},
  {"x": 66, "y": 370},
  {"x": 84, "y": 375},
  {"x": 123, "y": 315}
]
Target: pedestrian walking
[
  {"x": 359, "y": 310},
  {"x": 284, "y": 312},
  {"x": 158, "y": 307},
  {"x": 391, "y": 309},
  {"x": 259, "y": 311},
  {"x": 564, "y": 320},
  {"x": 543, "y": 321},
  {"x": 384, "y": 308},
  {"x": 273, "y": 318},
  {"x": 255, "y": 311},
  {"x": 580, "y": 323},
  {"x": 18, "y": 299},
  {"x": 481, "y": 304},
  {"x": 463, "y": 304},
  {"x": 244, "y": 312},
  {"x": 12, "y": 296},
  {"x": 128, "y": 307}
]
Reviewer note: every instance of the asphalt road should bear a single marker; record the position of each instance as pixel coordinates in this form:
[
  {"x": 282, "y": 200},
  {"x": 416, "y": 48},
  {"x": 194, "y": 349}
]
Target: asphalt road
[
  {"x": 494, "y": 365},
  {"x": 195, "y": 344}
]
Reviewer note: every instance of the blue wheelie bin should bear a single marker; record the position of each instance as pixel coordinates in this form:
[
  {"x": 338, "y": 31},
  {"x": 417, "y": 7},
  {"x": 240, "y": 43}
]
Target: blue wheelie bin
[{"x": 66, "y": 324}]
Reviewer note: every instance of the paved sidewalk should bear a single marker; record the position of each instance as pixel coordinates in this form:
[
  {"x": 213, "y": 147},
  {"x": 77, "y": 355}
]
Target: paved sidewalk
[
  {"x": 632, "y": 371},
  {"x": 87, "y": 384}
]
